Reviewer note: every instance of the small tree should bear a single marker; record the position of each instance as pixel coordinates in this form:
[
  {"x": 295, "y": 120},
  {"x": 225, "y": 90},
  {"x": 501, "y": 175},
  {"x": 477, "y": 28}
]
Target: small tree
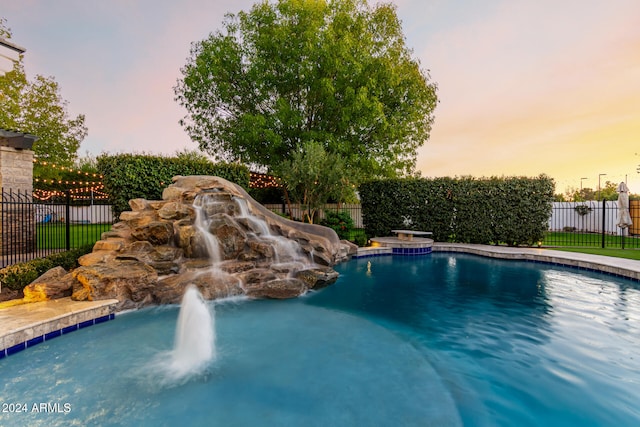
[
  {"x": 37, "y": 107},
  {"x": 313, "y": 176}
]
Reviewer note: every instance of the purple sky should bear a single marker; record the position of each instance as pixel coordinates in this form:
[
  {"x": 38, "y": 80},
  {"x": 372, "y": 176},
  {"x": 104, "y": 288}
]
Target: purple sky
[{"x": 525, "y": 87}]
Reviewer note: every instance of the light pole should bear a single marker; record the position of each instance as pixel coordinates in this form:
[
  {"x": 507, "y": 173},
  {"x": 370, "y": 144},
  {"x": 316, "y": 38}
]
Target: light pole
[{"x": 600, "y": 175}]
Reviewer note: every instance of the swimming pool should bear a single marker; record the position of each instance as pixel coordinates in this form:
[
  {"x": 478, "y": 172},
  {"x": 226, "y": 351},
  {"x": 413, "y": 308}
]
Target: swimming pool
[{"x": 443, "y": 339}]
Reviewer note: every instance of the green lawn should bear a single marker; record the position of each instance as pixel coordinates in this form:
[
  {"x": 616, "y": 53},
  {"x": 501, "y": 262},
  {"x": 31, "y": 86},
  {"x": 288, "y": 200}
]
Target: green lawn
[
  {"x": 593, "y": 240},
  {"x": 53, "y": 236},
  {"x": 619, "y": 253}
]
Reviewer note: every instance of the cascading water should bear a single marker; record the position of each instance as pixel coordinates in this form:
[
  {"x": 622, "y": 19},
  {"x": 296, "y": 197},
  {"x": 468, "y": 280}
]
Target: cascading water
[
  {"x": 202, "y": 223},
  {"x": 261, "y": 226},
  {"x": 286, "y": 250}
]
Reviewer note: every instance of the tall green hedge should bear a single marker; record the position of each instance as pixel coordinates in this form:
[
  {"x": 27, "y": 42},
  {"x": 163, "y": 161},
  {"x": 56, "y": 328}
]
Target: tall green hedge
[
  {"x": 131, "y": 176},
  {"x": 507, "y": 210}
]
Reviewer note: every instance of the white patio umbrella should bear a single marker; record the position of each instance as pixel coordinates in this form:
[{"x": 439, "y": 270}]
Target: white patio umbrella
[{"x": 624, "y": 218}]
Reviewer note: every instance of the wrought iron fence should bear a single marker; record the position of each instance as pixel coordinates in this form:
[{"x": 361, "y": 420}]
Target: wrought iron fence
[
  {"x": 592, "y": 224},
  {"x": 31, "y": 228},
  {"x": 298, "y": 211}
]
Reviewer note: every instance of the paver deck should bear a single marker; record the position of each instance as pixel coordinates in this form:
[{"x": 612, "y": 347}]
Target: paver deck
[{"x": 25, "y": 325}]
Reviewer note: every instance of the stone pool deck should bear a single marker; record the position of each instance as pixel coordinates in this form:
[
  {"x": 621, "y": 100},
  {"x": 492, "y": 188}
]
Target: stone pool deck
[
  {"x": 620, "y": 267},
  {"x": 25, "y": 325}
]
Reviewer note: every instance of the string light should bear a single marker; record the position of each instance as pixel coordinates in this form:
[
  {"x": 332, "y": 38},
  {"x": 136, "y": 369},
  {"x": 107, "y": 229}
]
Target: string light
[
  {"x": 87, "y": 193},
  {"x": 59, "y": 181},
  {"x": 257, "y": 180},
  {"x": 261, "y": 180},
  {"x": 65, "y": 168}
]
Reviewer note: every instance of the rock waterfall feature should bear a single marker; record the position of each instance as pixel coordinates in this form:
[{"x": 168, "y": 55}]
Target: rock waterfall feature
[{"x": 210, "y": 233}]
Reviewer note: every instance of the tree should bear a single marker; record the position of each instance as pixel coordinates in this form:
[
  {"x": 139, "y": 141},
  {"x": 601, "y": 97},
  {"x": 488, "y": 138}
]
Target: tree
[
  {"x": 607, "y": 192},
  {"x": 286, "y": 73},
  {"x": 313, "y": 176},
  {"x": 5, "y": 32},
  {"x": 573, "y": 194},
  {"x": 37, "y": 107}
]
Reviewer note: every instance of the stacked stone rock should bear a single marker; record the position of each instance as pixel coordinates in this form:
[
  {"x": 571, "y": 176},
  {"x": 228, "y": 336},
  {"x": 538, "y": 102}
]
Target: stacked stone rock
[{"x": 155, "y": 251}]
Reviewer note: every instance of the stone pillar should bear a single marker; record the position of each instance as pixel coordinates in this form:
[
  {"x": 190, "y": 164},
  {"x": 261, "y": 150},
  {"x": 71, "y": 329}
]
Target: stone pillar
[
  {"x": 16, "y": 169},
  {"x": 17, "y": 228}
]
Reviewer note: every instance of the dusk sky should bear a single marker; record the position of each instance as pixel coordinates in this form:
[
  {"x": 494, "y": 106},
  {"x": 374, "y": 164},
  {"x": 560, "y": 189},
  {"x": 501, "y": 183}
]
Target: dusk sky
[{"x": 525, "y": 87}]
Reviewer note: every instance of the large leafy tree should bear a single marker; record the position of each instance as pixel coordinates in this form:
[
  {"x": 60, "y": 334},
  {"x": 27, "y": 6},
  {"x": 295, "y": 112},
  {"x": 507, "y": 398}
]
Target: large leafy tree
[
  {"x": 37, "y": 107},
  {"x": 285, "y": 73}
]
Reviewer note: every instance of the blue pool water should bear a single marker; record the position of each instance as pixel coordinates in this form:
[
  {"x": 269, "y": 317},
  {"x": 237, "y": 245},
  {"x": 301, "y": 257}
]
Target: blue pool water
[{"x": 438, "y": 340}]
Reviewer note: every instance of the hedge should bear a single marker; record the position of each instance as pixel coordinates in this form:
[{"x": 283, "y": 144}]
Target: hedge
[
  {"x": 507, "y": 210},
  {"x": 131, "y": 176},
  {"x": 19, "y": 275}
]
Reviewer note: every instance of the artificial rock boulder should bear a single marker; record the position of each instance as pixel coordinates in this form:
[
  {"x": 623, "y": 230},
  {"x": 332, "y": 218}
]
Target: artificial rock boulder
[
  {"x": 55, "y": 283},
  {"x": 208, "y": 232}
]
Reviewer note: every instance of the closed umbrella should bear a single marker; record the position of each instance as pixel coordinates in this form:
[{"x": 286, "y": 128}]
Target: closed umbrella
[{"x": 624, "y": 219}]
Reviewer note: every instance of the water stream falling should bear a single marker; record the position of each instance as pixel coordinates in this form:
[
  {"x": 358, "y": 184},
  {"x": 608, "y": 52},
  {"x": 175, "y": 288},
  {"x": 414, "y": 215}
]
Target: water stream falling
[
  {"x": 286, "y": 251},
  {"x": 202, "y": 224}
]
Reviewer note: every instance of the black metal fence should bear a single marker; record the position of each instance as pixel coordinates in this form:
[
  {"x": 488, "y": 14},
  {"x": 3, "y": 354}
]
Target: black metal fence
[
  {"x": 298, "y": 211},
  {"x": 31, "y": 228},
  {"x": 592, "y": 224}
]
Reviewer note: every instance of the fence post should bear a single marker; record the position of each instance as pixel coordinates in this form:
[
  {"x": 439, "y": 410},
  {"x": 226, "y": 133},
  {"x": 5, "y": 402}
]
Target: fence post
[
  {"x": 604, "y": 224},
  {"x": 67, "y": 214}
]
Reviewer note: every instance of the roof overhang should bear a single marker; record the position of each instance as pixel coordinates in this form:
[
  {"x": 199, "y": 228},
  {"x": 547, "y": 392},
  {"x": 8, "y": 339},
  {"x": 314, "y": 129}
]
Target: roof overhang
[{"x": 12, "y": 46}]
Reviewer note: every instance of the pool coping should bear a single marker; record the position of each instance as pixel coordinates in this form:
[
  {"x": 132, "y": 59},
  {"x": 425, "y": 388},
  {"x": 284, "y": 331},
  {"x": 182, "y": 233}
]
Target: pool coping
[
  {"x": 26, "y": 325},
  {"x": 619, "y": 267}
]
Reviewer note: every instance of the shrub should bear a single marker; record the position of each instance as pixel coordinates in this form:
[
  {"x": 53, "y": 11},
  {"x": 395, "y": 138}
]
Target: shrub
[
  {"x": 17, "y": 276},
  {"x": 69, "y": 259},
  {"x": 360, "y": 239},
  {"x": 341, "y": 222}
]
